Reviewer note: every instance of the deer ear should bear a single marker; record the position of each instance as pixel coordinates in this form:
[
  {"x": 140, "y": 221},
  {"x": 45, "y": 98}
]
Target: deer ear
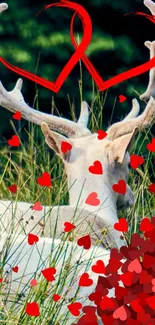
[
  {"x": 118, "y": 148},
  {"x": 54, "y": 140}
]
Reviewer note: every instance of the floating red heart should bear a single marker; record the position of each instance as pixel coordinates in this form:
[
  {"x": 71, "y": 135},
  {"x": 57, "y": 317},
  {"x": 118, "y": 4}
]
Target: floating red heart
[
  {"x": 56, "y": 297},
  {"x": 106, "y": 303},
  {"x": 15, "y": 269},
  {"x": 92, "y": 199},
  {"x": 151, "y": 188},
  {"x": 99, "y": 267},
  {"x": 151, "y": 146},
  {"x": 120, "y": 313},
  {"x": 135, "y": 266},
  {"x": 33, "y": 283},
  {"x": 32, "y": 239},
  {"x": 120, "y": 187},
  {"x": 101, "y": 134},
  {"x": 135, "y": 161},
  {"x": 84, "y": 241},
  {"x": 96, "y": 168},
  {"x": 75, "y": 308},
  {"x": 49, "y": 273},
  {"x": 32, "y": 309},
  {"x": 65, "y": 147},
  {"x": 122, "y": 98},
  {"x": 85, "y": 281},
  {"x": 44, "y": 180},
  {"x": 14, "y": 141},
  {"x": 17, "y": 116},
  {"x": 68, "y": 226},
  {"x": 37, "y": 206},
  {"x": 13, "y": 188},
  {"x": 146, "y": 225},
  {"x": 121, "y": 225}
]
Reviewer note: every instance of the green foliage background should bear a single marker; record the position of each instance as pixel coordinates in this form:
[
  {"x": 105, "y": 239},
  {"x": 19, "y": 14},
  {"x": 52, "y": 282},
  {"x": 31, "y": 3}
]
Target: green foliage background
[{"x": 42, "y": 44}]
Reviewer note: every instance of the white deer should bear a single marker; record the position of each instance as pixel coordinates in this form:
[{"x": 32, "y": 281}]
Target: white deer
[{"x": 112, "y": 153}]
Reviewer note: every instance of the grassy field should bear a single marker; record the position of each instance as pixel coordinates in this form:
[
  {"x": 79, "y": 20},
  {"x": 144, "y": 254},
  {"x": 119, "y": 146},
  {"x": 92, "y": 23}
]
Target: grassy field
[{"x": 24, "y": 165}]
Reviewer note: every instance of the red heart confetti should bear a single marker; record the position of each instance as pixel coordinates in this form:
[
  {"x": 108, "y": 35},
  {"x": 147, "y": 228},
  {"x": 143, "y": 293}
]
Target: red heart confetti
[
  {"x": 56, "y": 297},
  {"x": 120, "y": 187},
  {"x": 32, "y": 239},
  {"x": 44, "y": 180},
  {"x": 92, "y": 199},
  {"x": 49, "y": 273},
  {"x": 96, "y": 168},
  {"x": 33, "y": 283},
  {"x": 75, "y": 308},
  {"x": 151, "y": 188},
  {"x": 14, "y": 141},
  {"x": 146, "y": 225},
  {"x": 17, "y": 116},
  {"x": 101, "y": 134},
  {"x": 13, "y": 188},
  {"x": 135, "y": 266},
  {"x": 120, "y": 313},
  {"x": 65, "y": 147},
  {"x": 15, "y": 269},
  {"x": 84, "y": 241},
  {"x": 106, "y": 303},
  {"x": 37, "y": 206},
  {"x": 122, "y": 98},
  {"x": 32, "y": 309},
  {"x": 151, "y": 146},
  {"x": 121, "y": 225},
  {"x": 68, "y": 227},
  {"x": 99, "y": 267},
  {"x": 85, "y": 281},
  {"x": 135, "y": 161}
]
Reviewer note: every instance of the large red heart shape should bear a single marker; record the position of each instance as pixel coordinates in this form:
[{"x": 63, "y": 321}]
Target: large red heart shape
[
  {"x": 99, "y": 267},
  {"x": 120, "y": 187},
  {"x": 85, "y": 242},
  {"x": 122, "y": 225},
  {"x": 85, "y": 281},
  {"x": 79, "y": 54},
  {"x": 92, "y": 199},
  {"x": 75, "y": 308},
  {"x": 96, "y": 168}
]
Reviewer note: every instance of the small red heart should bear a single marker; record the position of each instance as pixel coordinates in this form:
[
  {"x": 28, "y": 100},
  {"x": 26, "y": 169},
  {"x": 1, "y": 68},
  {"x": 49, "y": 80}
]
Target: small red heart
[
  {"x": 32, "y": 239},
  {"x": 120, "y": 313},
  {"x": 56, "y": 297},
  {"x": 121, "y": 225},
  {"x": 37, "y": 207},
  {"x": 15, "y": 269},
  {"x": 17, "y": 116},
  {"x": 99, "y": 267},
  {"x": 32, "y": 309},
  {"x": 151, "y": 302},
  {"x": 13, "y": 188},
  {"x": 101, "y": 134},
  {"x": 120, "y": 187},
  {"x": 151, "y": 188},
  {"x": 96, "y": 168},
  {"x": 122, "y": 98},
  {"x": 75, "y": 308},
  {"x": 146, "y": 225},
  {"x": 92, "y": 199},
  {"x": 127, "y": 278},
  {"x": 1, "y": 280},
  {"x": 49, "y": 273},
  {"x": 85, "y": 242},
  {"x": 68, "y": 226},
  {"x": 85, "y": 281},
  {"x": 44, "y": 180},
  {"x": 65, "y": 146},
  {"x": 135, "y": 304},
  {"x": 14, "y": 141},
  {"x": 135, "y": 266},
  {"x": 106, "y": 303},
  {"x": 33, "y": 283},
  {"x": 151, "y": 146},
  {"x": 135, "y": 161}
]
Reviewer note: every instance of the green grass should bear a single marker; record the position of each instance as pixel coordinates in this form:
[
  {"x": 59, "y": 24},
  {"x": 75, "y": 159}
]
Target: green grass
[{"x": 24, "y": 165}]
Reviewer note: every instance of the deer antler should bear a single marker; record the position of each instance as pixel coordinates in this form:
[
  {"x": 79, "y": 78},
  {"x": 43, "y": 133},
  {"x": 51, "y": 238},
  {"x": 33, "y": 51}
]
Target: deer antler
[
  {"x": 151, "y": 86},
  {"x": 141, "y": 122},
  {"x": 150, "y": 5},
  {"x": 14, "y": 101},
  {"x": 3, "y": 6}
]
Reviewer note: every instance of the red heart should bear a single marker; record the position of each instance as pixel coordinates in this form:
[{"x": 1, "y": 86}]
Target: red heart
[
  {"x": 85, "y": 242},
  {"x": 96, "y": 168},
  {"x": 120, "y": 313},
  {"x": 121, "y": 225},
  {"x": 135, "y": 304},
  {"x": 75, "y": 308},
  {"x": 92, "y": 199},
  {"x": 85, "y": 281},
  {"x": 49, "y": 273},
  {"x": 44, "y": 180},
  {"x": 120, "y": 187},
  {"x": 151, "y": 188},
  {"x": 14, "y": 141},
  {"x": 15, "y": 269},
  {"x": 135, "y": 161},
  {"x": 68, "y": 226},
  {"x": 151, "y": 146},
  {"x": 146, "y": 225},
  {"x": 101, "y": 134},
  {"x": 32, "y": 239},
  {"x": 56, "y": 297},
  {"x": 33, "y": 283},
  {"x": 99, "y": 267},
  {"x": 135, "y": 266},
  {"x": 106, "y": 303},
  {"x": 17, "y": 116},
  {"x": 122, "y": 98},
  {"x": 32, "y": 309},
  {"x": 13, "y": 188},
  {"x": 65, "y": 146},
  {"x": 37, "y": 207},
  {"x": 127, "y": 278},
  {"x": 151, "y": 302}
]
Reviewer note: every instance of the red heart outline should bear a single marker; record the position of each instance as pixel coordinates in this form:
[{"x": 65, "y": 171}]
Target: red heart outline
[{"x": 79, "y": 54}]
